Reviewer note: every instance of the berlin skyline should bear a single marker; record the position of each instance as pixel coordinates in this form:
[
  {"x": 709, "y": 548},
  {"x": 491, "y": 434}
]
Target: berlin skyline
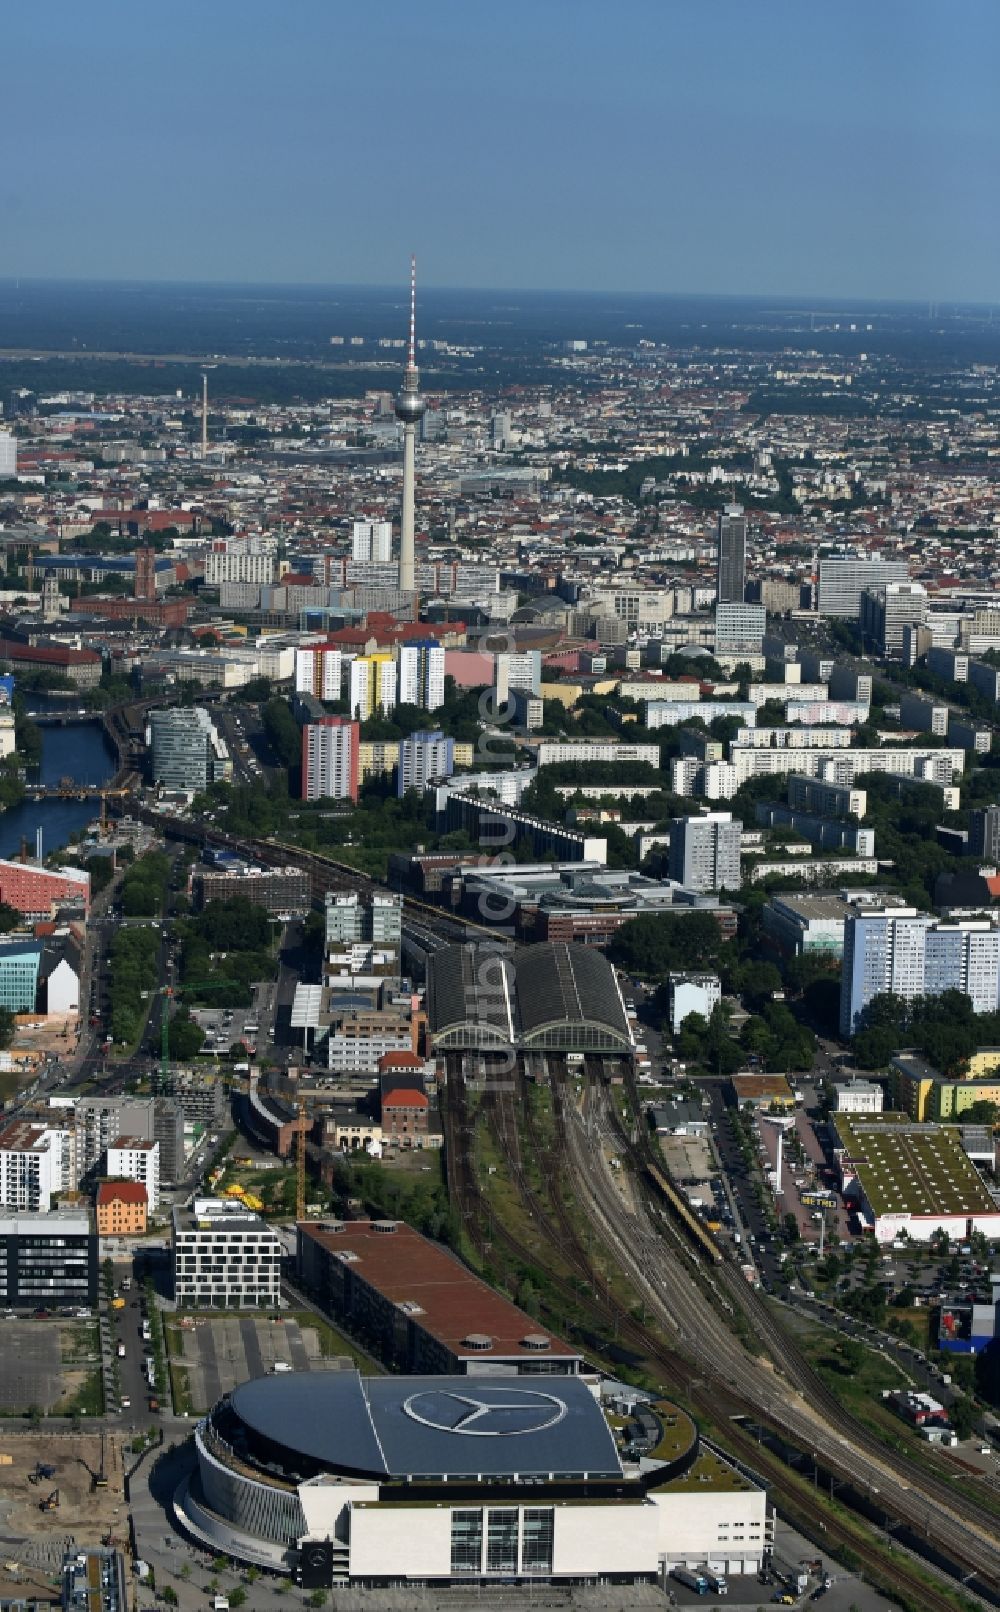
[{"x": 765, "y": 150}]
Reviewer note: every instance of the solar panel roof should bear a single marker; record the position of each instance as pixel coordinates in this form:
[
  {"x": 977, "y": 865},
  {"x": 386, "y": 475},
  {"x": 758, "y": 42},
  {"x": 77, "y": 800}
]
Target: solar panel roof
[{"x": 434, "y": 1427}]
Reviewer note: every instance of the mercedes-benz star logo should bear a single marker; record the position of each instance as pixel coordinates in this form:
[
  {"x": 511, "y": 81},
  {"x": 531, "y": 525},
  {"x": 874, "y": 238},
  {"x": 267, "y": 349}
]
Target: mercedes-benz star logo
[{"x": 500, "y": 1413}]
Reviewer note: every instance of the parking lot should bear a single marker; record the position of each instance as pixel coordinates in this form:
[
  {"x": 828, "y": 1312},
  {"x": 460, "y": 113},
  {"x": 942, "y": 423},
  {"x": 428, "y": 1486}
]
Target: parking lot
[
  {"x": 47, "y": 1363},
  {"x": 216, "y": 1353}
]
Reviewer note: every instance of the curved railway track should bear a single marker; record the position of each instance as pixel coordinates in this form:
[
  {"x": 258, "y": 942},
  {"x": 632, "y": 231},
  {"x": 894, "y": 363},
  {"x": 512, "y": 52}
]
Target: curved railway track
[
  {"x": 799, "y": 1371},
  {"x": 709, "y": 1399}
]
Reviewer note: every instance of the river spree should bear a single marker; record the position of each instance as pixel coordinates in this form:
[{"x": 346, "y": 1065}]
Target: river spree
[{"x": 79, "y": 751}]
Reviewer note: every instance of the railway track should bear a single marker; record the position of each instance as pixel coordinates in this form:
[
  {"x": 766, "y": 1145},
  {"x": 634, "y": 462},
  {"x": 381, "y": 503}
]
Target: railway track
[
  {"x": 964, "y": 1533},
  {"x": 710, "y": 1400},
  {"x": 802, "y": 1375}
]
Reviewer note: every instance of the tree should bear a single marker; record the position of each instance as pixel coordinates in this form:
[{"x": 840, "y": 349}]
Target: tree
[
  {"x": 237, "y": 1596},
  {"x": 962, "y": 1416},
  {"x": 169, "y": 1595}
]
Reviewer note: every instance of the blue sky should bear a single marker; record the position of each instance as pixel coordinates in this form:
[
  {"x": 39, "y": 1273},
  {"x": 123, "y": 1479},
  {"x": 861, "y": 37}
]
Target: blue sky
[{"x": 743, "y": 146}]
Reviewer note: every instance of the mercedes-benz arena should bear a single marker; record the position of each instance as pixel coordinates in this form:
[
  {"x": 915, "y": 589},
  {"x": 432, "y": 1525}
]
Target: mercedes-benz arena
[{"x": 344, "y": 1479}]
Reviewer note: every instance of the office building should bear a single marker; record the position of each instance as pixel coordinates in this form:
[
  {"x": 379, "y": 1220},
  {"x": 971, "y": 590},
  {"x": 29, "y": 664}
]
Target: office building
[
  {"x": 984, "y": 834},
  {"x": 188, "y": 753},
  {"x": 911, "y": 954},
  {"x": 705, "y": 851},
  {"x": 739, "y": 628},
  {"x": 47, "y": 1260},
  {"x": 424, "y": 758},
  {"x": 844, "y": 577},
  {"x": 885, "y": 611},
  {"x": 122, "y": 1209},
  {"x": 225, "y": 1258},
  {"x": 856, "y": 1096},
  {"x": 731, "y": 559},
  {"x": 372, "y": 684},
  {"x": 278, "y": 890},
  {"x": 319, "y": 670},
  {"x": 37, "y": 891},
  {"x": 19, "y": 963},
  {"x": 371, "y": 542},
  {"x": 330, "y": 763},
  {"x": 421, "y": 675},
  {"x": 133, "y": 1158},
  {"x": 8, "y": 456}
]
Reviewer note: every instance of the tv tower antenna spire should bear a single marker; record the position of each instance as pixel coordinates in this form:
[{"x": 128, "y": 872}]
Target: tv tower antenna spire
[{"x": 410, "y": 407}]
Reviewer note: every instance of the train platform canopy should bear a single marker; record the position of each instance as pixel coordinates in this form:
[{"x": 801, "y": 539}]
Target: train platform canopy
[{"x": 557, "y": 997}]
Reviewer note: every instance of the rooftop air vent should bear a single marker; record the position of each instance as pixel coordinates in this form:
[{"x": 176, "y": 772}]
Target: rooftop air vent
[
  {"x": 535, "y": 1340},
  {"x": 478, "y": 1341},
  {"x": 384, "y": 1226}
]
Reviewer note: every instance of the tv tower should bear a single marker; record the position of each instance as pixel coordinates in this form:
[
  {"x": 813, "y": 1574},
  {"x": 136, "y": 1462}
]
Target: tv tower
[{"x": 409, "y": 408}]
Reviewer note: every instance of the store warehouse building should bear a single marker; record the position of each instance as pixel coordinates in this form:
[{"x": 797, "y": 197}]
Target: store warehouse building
[
  {"x": 393, "y": 1480},
  {"x": 911, "y": 1179},
  {"x": 417, "y": 1306}
]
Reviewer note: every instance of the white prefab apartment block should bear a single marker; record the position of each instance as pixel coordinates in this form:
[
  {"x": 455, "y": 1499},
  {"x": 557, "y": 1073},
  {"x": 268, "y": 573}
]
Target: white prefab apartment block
[
  {"x": 131, "y": 1158},
  {"x": 319, "y": 670},
  {"x": 693, "y": 993},
  {"x": 225, "y": 1257},
  {"x": 421, "y": 675},
  {"x": 909, "y": 953},
  {"x": 371, "y": 542}
]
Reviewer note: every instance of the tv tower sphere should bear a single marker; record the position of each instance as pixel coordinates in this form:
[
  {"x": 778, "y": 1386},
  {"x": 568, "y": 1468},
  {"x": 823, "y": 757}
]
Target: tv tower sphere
[{"x": 409, "y": 407}]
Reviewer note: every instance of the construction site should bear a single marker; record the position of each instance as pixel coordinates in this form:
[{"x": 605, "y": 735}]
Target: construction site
[{"x": 58, "y": 1490}]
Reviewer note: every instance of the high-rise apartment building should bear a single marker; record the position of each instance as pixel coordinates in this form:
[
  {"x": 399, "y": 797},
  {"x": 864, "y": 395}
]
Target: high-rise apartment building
[
  {"x": 984, "y": 834},
  {"x": 319, "y": 670},
  {"x": 134, "y": 1158},
  {"x": 8, "y": 456},
  {"x": 843, "y": 577},
  {"x": 421, "y": 675},
  {"x": 375, "y": 921},
  {"x": 371, "y": 542},
  {"x": 705, "y": 851},
  {"x": 423, "y": 758},
  {"x": 330, "y": 760},
  {"x": 517, "y": 669},
  {"x": 36, "y": 1164},
  {"x": 240, "y": 560},
  {"x": 188, "y": 753},
  {"x": 372, "y": 684},
  {"x": 908, "y": 954},
  {"x": 731, "y": 556}
]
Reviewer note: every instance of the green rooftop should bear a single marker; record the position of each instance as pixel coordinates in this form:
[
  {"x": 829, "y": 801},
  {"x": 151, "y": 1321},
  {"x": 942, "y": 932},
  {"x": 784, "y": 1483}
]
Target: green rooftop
[
  {"x": 706, "y": 1473},
  {"x": 907, "y": 1168}
]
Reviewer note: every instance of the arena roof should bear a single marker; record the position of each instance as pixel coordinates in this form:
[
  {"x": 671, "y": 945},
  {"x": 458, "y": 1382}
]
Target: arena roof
[
  {"x": 433, "y": 1427},
  {"x": 557, "y": 995}
]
